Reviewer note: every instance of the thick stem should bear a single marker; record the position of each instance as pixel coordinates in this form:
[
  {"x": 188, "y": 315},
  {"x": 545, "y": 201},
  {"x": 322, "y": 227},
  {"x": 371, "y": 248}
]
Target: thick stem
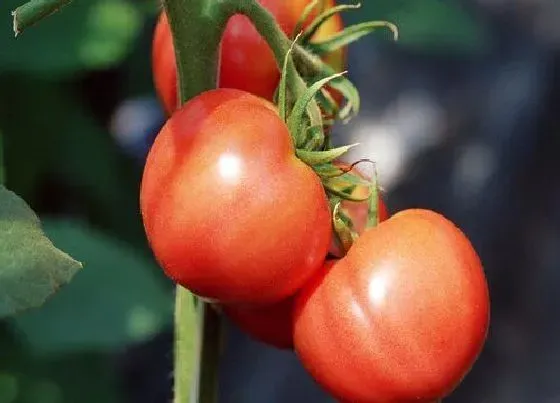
[
  {"x": 33, "y": 11},
  {"x": 197, "y": 27}
]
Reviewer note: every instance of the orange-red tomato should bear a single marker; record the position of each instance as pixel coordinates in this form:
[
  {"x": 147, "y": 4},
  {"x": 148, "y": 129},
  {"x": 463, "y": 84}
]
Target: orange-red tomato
[
  {"x": 247, "y": 63},
  {"x": 229, "y": 210},
  {"x": 357, "y": 211},
  {"x": 401, "y": 318}
]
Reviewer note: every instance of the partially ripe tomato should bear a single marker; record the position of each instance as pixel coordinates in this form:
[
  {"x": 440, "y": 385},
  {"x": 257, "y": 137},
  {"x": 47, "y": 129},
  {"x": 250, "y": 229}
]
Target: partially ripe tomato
[
  {"x": 357, "y": 211},
  {"x": 271, "y": 324},
  {"x": 402, "y": 318},
  {"x": 229, "y": 210},
  {"x": 247, "y": 63}
]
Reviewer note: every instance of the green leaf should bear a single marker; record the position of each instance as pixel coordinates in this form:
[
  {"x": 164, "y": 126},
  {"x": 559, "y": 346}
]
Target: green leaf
[
  {"x": 120, "y": 298},
  {"x": 91, "y": 34},
  {"x": 33, "y": 11},
  {"x": 64, "y": 142},
  {"x": 31, "y": 268}
]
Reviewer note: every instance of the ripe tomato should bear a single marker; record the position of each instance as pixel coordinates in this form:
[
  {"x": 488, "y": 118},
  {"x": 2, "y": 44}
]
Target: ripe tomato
[
  {"x": 229, "y": 210},
  {"x": 357, "y": 211},
  {"x": 271, "y": 324},
  {"x": 402, "y": 318},
  {"x": 247, "y": 63}
]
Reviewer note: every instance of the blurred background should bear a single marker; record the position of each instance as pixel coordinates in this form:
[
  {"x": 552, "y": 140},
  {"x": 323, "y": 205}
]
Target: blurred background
[{"x": 460, "y": 116}]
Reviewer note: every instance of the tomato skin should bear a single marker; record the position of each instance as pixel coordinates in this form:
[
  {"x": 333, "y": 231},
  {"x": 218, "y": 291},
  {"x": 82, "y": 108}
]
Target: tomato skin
[
  {"x": 247, "y": 63},
  {"x": 357, "y": 211},
  {"x": 402, "y": 318},
  {"x": 217, "y": 201}
]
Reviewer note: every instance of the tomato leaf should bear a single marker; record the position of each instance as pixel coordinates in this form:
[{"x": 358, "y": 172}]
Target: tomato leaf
[
  {"x": 31, "y": 267},
  {"x": 121, "y": 298},
  {"x": 90, "y": 34}
]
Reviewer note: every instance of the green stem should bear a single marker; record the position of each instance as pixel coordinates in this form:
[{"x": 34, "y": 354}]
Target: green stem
[
  {"x": 33, "y": 11},
  {"x": 196, "y": 27},
  {"x": 183, "y": 371}
]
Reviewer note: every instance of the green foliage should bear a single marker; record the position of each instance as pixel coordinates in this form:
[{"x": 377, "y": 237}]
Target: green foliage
[
  {"x": 118, "y": 298},
  {"x": 430, "y": 26},
  {"x": 89, "y": 34},
  {"x": 2, "y": 174},
  {"x": 31, "y": 268}
]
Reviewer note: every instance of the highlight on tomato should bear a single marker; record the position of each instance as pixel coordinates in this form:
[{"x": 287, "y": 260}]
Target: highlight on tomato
[
  {"x": 230, "y": 212},
  {"x": 402, "y": 318},
  {"x": 241, "y": 48}
]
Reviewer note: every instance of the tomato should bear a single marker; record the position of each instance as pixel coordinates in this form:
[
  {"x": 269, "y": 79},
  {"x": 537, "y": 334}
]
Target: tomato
[
  {"x": 357, "y": 211},
  {"x": 229, "y": 210},
  {"x": 247, "y": 63},
  {"x": 270, "y": 324},
  {"x": 402, "y": 318}
]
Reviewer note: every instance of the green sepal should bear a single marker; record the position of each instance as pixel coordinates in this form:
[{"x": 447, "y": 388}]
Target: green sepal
[
  {"x": 282, "y": 88},
  {"x": 349, "y": 35},
  {"x": 323, "y": 17},
  {"x": 343, "y": 228},
  {"x": 373, "y": 203},
  {"x": 305, "y": 15},
  {"x": 328, "y": 170},
  {"x": 296, "y": 120},
  {"x": 314, "y": 69},
  {"x": 315, "y": 137},
  {"x": 322, "y": 157}
]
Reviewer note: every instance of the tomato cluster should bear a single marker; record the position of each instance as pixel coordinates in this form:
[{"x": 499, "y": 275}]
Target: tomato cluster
[{"x": 232, "y": 214}]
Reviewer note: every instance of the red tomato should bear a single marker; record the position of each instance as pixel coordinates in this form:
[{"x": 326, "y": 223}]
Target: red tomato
[
  {"x": 270, "y": 324},
  {"x": 247, "y": 63},
  {"x": 229, "y": 210},
  {"x": 357, "y": 211},
  {"x": 402, "y": 318}
]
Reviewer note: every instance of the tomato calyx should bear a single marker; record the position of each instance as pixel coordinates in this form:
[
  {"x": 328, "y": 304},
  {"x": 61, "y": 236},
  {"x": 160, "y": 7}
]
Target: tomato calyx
[
  {"x": 312, "y": 67},
  {"x": 313, "y": 147}
]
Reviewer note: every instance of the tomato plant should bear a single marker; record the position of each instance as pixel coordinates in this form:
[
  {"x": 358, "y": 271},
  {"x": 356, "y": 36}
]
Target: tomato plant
[
  {"x": 217, "y": 199},
  {"x": 247, "y": 63},
  {"x": 401, "y": 318}
]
